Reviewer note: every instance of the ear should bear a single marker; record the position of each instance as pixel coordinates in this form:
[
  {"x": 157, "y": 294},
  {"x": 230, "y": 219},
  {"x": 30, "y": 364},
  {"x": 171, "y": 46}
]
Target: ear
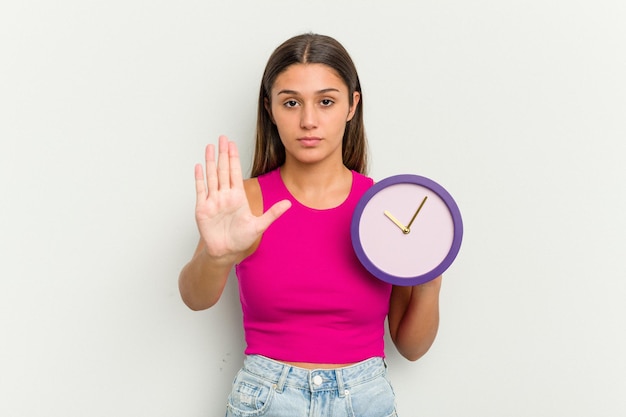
[
  {"x": 268, "y": 109},
  {"x": 356, "y": 97}
]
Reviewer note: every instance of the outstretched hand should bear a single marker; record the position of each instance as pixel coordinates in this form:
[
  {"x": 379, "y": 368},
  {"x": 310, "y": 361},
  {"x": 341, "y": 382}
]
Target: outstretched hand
[{"x": 226, "y": 224}]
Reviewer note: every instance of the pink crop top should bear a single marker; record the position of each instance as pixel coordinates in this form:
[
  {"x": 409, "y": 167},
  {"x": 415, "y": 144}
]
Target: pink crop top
[{"x": 305, "y": 297}]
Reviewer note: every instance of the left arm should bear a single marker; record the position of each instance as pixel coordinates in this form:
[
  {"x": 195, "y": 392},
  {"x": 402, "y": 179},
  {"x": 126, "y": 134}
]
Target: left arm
[{"x": 414, "y": 318}]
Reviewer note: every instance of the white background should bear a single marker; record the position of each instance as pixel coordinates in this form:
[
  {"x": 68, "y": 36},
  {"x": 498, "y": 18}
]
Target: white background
[{"x": 517, "y": 107}]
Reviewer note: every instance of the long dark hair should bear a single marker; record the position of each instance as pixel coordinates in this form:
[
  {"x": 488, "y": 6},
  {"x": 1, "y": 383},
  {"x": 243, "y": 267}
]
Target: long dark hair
[{"x": 310, "y": 48}]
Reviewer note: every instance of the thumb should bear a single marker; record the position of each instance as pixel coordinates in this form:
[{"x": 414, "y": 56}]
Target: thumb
[{"x": 272, "y": 214}]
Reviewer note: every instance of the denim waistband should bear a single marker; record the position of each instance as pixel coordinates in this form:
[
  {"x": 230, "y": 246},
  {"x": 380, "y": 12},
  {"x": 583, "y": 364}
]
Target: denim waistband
[{"x": 340, "y": 379}]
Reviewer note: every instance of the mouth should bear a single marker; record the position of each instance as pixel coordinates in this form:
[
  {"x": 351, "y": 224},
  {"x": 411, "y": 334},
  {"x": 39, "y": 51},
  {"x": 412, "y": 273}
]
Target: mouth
[{"x": 309, "y": 141}]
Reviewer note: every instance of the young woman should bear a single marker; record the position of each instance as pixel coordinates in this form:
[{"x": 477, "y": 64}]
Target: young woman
[{"x": 313, "y": 316}]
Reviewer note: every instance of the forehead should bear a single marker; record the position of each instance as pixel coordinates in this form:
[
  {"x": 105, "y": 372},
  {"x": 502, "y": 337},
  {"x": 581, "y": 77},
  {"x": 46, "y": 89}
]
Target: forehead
[{"x": 308, "y": 77}]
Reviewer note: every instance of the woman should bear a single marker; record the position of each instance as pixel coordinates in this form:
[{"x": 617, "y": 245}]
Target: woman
[{"x": 313, "y": 316}]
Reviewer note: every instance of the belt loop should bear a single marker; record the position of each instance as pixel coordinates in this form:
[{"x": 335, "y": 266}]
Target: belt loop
[
  {"x": 283, "y": 378},
  {"x": 341, "y": 389}
]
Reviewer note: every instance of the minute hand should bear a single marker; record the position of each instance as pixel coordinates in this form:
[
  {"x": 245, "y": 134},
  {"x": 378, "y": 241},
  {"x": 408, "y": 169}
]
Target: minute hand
[{"x": 408, "y": 226}]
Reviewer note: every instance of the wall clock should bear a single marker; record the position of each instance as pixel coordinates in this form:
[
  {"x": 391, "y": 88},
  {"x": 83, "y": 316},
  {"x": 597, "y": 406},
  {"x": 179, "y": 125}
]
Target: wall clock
[{"x": 406, "y": 229}]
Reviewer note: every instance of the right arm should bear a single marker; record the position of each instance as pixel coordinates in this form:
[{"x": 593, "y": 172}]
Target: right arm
[
  {"x": 227, "y": 225},
  {"x": 202, "y": 280}
]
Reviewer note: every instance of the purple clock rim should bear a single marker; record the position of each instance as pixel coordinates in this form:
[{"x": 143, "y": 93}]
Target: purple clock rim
[{"x": 457, "y": 222}]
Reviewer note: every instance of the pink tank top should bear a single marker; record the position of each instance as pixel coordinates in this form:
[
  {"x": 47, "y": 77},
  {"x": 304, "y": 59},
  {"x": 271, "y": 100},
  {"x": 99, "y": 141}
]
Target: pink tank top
[{"x": 304, "y": 295}]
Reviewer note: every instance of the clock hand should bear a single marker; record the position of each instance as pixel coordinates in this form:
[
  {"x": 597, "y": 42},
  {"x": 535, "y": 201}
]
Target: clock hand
[
  {"x": 404, "y": 229},
  {"x": 408, "y": 227}
]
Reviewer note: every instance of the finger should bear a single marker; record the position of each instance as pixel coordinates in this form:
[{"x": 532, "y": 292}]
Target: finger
[
  {"x": 272, "y": 214},
  {"x": 211, "y": 173},
  {"x": 223, "y": 167},
  {"x": 236, "y": 177},
  {"x": 200, "y": 186}
]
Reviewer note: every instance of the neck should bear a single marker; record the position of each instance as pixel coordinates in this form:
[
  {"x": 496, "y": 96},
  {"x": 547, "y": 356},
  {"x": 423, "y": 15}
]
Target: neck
[
  {"x": 314, "y": 176},
  {"x": 317, "y": 186}
]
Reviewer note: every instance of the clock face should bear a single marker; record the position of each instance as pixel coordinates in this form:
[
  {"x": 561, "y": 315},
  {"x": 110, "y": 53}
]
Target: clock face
[{"x": 406, "y": 230}]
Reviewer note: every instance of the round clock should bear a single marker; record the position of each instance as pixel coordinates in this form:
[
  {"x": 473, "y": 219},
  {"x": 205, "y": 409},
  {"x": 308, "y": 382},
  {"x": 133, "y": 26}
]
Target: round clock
[{"x": 406, "y": 230}]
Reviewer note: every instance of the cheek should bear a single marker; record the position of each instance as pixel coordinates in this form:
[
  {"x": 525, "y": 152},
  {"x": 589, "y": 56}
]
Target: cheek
[
  {"x": 283, "y": 124},
  {"x": 339, "y": 121},
  {"x": 282, "y": 117}
]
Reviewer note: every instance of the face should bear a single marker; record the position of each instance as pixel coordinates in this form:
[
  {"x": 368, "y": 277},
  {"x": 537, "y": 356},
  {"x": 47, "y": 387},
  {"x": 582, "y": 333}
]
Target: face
[{"x": 310, "y": 105}]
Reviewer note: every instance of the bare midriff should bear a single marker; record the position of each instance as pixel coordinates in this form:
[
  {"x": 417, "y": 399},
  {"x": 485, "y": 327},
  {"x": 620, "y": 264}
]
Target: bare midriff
[{"x": 307, "y": 365}]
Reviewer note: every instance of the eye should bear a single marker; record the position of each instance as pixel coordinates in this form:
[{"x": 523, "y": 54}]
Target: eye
[
  {"x": 327, "y": 102},
  {"x": 290, "y": 103}
]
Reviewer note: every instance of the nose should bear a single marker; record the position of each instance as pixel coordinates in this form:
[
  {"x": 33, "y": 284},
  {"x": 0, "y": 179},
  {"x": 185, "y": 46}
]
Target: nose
[{"x": 308, "y": 118}]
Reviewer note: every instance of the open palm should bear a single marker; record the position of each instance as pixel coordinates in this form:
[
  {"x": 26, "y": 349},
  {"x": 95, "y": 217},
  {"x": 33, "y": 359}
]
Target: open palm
[{"x": 226, "y": 224}]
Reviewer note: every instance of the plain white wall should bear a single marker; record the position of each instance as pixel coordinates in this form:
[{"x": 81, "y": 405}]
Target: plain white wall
[{"x": 517, "y": 107}]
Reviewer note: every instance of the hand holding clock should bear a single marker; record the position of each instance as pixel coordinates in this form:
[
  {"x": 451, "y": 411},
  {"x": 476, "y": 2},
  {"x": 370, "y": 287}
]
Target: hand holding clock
[{"x": 406, "y": 258}]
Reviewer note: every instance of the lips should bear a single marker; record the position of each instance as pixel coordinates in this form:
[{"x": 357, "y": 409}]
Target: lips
[{"x": 309, "y": 141}]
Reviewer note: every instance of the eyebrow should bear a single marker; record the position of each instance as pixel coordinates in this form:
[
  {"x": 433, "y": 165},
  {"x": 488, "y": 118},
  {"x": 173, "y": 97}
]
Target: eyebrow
[{"x": 293, "y": 92}]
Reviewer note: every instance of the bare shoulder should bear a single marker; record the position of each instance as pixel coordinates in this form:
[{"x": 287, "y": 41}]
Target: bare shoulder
[{"x": 255, "y": 197}]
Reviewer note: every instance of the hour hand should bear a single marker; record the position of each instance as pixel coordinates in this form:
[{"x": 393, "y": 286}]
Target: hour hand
[{"x": 391, "y": 217}]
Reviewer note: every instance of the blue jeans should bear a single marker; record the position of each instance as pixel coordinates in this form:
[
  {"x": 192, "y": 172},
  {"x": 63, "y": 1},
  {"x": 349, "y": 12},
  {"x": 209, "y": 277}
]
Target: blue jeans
[{"x": 264, "y": 387}]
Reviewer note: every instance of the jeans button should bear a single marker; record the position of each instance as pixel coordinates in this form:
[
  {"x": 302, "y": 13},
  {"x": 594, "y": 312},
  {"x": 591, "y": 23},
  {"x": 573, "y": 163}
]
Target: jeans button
[{"x": 317, "y": 380}]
